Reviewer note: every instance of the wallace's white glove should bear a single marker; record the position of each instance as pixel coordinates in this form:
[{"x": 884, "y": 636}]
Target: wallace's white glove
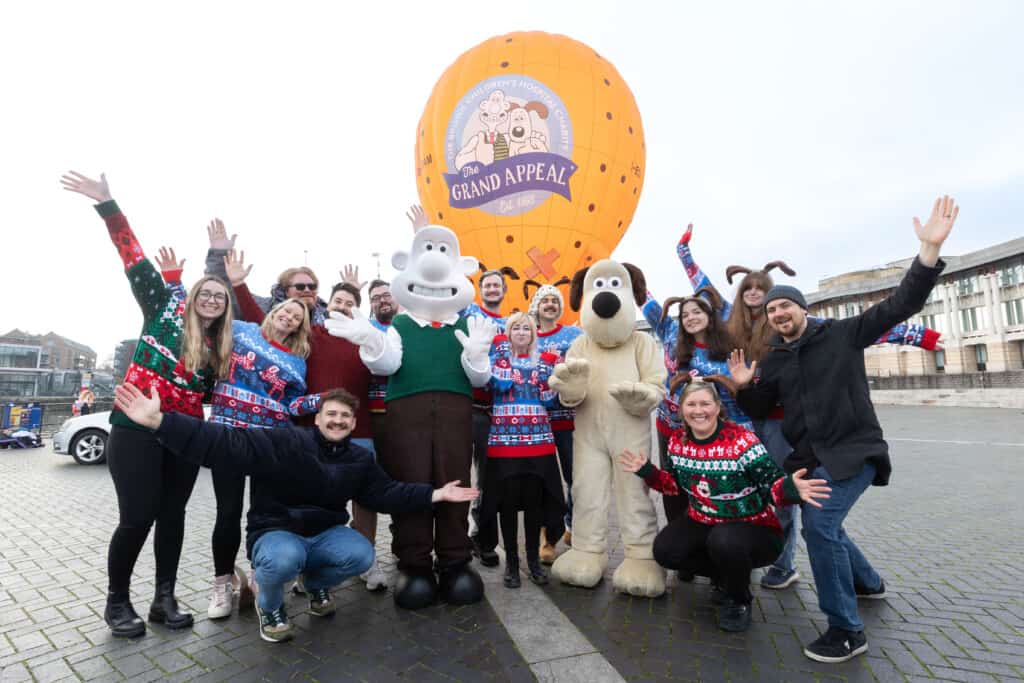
[
  {"x": 357, "y": 330},
  {"x": 477, "y": 344}
]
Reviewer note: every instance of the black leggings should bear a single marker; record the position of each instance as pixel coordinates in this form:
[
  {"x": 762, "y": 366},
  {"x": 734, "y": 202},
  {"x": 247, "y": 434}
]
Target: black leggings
[
  {"x": 521, "y": 492},
  {"x": 723, "y": 552},
  {"x": 152, "y": 485},
  {"x": 229, "y": 488}
]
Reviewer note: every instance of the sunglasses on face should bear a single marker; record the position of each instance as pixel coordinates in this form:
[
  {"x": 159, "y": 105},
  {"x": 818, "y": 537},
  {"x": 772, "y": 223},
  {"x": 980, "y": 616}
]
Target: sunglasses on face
[
  {"x": 206, "y": 295},
  {"x": 303, "y": 286}
]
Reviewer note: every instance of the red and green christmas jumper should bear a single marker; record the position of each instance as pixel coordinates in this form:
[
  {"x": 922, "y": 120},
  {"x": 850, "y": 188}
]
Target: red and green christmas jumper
[
  {"x": 729, "y": 477},
  {"x": 156, "y": 362}
]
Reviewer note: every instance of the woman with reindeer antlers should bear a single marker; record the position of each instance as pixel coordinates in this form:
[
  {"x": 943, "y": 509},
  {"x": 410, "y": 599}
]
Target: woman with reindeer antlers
[{"x": 747, "y": 325}]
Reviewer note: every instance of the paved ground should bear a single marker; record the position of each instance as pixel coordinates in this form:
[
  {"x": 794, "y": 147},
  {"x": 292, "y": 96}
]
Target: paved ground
[{"x": 946, "y": 534}]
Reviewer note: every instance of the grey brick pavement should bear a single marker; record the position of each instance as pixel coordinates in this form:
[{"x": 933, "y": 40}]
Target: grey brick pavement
[{"x": 946, "y": 535}]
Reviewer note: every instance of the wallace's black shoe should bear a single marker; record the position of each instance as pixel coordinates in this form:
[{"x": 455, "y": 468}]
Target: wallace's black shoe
[
  {"x": 415, "y": 590},
  {"x": 461, "y": 585}
]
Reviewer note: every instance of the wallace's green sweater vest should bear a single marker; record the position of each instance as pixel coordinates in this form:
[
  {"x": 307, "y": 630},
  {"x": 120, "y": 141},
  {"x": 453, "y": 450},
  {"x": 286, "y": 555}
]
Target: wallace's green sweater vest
[{"x": 431, "y": 360}]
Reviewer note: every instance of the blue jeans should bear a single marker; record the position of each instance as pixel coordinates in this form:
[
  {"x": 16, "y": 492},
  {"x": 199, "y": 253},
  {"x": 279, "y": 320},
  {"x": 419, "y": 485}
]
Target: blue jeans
[
  {"x": 836, "y": 561},
  {"x": 563, "y": 443},
  {"x": 770, "y": 434},
  {"x": 326, "y": 560}
]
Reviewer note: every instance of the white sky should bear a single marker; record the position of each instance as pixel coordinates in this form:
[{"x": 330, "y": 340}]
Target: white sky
[{"x": 803, "y": 131}]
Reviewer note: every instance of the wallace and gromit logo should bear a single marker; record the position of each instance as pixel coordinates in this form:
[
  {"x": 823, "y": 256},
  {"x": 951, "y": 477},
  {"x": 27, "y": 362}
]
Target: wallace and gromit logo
[{"x": 508, "y": 147}]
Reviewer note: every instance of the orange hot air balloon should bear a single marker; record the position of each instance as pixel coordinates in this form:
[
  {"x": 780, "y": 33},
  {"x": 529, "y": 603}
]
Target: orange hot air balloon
[{"x": 531, "y": 149}]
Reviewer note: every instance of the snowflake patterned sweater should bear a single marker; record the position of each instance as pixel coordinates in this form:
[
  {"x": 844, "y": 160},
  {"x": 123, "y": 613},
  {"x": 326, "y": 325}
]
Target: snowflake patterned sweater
[
  {"x": 729, "y": 477},
  {"x": 156, "y": 359},
  {"x": 557, "y": 342},
  {"x": 520, "y": 427}
]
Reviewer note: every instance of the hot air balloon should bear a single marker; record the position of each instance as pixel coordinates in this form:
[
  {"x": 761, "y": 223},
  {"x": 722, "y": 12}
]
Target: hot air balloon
[{"x": 532, "y": 150}]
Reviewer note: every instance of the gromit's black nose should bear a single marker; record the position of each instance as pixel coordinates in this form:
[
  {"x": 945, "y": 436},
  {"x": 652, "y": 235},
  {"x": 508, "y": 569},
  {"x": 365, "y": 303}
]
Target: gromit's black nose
[{"x": 606, "y": 304}]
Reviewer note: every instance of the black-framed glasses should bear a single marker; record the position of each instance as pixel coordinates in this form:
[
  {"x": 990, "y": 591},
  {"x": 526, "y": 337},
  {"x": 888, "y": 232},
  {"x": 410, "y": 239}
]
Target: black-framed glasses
[
  {"x": 380, "y": 297},
  {"x": 303, "y": 286},
  {"x": 206, "y": 295}
]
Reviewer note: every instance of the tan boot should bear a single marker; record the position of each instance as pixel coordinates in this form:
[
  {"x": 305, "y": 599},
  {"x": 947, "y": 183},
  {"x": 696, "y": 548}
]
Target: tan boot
[{"x": 547, "y": 551}]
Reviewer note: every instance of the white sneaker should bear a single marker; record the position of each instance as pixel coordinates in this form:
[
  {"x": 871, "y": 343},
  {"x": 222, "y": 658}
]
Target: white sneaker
[
  {"x": 375, "y": 578},
  {"x": 220, "y": 601}
]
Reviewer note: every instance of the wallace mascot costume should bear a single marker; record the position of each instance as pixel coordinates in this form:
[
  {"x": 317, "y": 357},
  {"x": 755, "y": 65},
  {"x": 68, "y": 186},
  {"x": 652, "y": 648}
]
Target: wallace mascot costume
[{"x": 433, "y": 358}]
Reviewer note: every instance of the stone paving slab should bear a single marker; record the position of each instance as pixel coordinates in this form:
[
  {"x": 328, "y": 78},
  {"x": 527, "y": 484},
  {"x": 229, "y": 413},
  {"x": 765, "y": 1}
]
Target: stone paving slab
[{"x": 946, "y": 535}]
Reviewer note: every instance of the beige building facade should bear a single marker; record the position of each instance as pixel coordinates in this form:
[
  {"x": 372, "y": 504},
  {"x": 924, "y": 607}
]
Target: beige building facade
[{"x": 978, "y": 306}]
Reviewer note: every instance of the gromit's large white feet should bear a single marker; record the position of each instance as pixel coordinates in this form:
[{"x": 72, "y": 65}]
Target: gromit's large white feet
[
  {"x": 578, "y": 568},
  {"x": 643, "y": 578}
]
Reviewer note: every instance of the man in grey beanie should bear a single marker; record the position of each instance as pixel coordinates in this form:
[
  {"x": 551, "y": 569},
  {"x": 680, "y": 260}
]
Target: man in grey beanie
[{"x": 815, "y": 370}]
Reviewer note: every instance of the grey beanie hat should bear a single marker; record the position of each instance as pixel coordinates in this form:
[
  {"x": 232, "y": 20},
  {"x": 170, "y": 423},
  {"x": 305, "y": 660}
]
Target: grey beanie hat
[{"x": 785, "y": 292}]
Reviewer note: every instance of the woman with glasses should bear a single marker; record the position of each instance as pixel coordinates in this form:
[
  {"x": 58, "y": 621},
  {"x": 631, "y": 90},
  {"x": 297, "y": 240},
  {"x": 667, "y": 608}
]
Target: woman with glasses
[{"x": 185, "y": 345}]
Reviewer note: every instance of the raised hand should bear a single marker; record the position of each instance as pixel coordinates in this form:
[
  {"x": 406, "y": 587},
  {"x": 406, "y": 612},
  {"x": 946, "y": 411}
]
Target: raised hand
[
  {"x": 166, "y": 260},
  {"x": 477, "y": 344},
  {"x": 219, "y": 236},
  {"x": 571, "y": 379},
  {"x": 357, "y": 329},
  {"x": 453, "y": 493},
  {"x": 933, "y": 233},
  {"x": 741, "y": 374},
  {"x": 685, "y": 239},
  {"x": 350, "y": 274},
  {"x": 140, "y": 408},
  {"x": 631, "y": 462},
  {"x": 234, "y": 266},
  {"x": 417, "y": 217},
  {"x": 96, "y": 190},
  {"x": 810, "y": 490}
]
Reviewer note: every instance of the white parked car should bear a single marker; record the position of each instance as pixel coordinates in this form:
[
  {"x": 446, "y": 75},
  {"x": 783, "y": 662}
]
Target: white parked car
[{"x": 84, "y": 438}]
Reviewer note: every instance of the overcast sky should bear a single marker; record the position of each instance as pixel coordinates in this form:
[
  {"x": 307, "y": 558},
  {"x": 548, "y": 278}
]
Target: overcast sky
[{"x": 801, "y": 131}]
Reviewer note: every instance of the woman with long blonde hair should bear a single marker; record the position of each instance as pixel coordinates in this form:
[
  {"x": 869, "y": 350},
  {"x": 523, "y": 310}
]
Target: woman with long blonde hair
[
  {"x": 183, "y": 348},
  {"x": 264, "y": 386}
]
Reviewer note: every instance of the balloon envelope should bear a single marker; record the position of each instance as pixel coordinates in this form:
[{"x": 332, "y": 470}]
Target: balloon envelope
[{"x": 532, "y": 150}]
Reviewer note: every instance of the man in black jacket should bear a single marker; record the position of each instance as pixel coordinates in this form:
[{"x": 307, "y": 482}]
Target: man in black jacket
[
  {"x": 302, "y": 481},
  {"x": 815, "y": 369}
]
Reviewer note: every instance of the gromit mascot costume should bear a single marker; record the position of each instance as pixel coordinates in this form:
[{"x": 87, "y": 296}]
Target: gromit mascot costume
[
  {"x": 433, "y": 359},
  {"x": 614, "y": 376}
]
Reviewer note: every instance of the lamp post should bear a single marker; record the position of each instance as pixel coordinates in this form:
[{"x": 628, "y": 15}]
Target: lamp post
[{"x": 376, "y": 255}]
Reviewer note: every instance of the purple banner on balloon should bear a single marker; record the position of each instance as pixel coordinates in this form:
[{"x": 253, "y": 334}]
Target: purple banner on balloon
[{"x": 475, "y": 183}]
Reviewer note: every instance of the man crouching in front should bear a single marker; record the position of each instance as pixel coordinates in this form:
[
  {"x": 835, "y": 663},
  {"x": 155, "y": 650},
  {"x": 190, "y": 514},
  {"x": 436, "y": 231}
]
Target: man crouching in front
[{"x": 301, "y": 482}]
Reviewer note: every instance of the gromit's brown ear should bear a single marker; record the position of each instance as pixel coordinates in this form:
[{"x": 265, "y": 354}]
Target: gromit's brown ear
[
  {"x": 732, "y": 270},
  {"x": 576, "y": 289},
  {"x": 639, "y": 283},
  {"x": 781, "y": 265}
]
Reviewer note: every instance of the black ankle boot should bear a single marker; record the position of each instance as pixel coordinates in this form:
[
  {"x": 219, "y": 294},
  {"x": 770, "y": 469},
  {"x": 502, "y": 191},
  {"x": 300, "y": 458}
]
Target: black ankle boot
[
  {"x": 164, "y": 609},
  {"x": 121, "y": 617},
  {"x": 538, "y": 574},
  {"x": 511, "y": 578}
]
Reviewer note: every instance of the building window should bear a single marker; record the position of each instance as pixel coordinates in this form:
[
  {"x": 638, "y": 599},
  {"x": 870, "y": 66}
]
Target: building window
[
  {"x": 969, "y": 319},
  {"x": 980, "y": 356},
  {"x": 940, "y": 361},
  {"x": 1011, "y": 275},
  {"x": 931, "y": 321},
  {"x": 967, "y": 285},
  {"x": 1013, "y": 312},
  {"x": 849, "y": 310}
]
